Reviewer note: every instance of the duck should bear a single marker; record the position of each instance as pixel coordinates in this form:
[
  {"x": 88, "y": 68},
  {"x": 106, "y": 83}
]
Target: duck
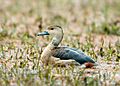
[{"x": 61, "y": 53}]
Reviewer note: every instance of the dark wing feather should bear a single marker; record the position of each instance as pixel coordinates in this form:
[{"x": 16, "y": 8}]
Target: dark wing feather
[{"x": 65, "y": 53}]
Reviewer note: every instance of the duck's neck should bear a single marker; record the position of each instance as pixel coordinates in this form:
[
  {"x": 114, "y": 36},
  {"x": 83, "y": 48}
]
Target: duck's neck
[
  {"x": 46, "y": 54},
  {"x": 54, "y": 43},
  {"x": 57, "y": 40}
]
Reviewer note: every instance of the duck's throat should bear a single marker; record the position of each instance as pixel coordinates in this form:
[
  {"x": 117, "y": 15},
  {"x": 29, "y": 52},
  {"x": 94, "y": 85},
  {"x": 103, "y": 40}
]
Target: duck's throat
[{"x": 56, "y": 40}]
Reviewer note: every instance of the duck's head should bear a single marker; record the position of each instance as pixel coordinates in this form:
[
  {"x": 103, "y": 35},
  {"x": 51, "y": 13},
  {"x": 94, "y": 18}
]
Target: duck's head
[{"x": 52, "y": 30}]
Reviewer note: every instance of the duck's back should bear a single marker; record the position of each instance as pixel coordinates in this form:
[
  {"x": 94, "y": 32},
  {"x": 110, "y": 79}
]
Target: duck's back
[{"x": 65, "y": 53}]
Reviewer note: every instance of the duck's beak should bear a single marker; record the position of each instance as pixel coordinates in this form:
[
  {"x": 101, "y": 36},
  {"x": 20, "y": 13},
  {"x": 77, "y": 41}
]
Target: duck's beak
[{"x": 43, "y": 33}]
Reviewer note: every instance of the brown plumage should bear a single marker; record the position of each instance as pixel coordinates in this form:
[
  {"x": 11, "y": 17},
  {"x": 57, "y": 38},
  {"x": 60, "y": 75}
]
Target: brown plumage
[{"x": 63, "y": 53}]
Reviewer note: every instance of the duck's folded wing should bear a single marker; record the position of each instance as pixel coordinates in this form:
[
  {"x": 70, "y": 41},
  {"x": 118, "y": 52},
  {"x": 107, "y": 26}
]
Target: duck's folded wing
[{"x": 65, "y": 53}]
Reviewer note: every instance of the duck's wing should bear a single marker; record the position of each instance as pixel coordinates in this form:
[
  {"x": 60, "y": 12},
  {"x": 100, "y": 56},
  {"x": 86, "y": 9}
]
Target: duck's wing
[{"x": 65, "y": 53}]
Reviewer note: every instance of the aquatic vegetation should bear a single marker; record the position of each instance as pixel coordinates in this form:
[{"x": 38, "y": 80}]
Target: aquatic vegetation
[{"x": 91, "y": 27}]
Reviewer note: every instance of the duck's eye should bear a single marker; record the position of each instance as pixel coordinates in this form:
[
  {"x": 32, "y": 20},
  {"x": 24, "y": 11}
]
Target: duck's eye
[{"x": 51, "y": 28}]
